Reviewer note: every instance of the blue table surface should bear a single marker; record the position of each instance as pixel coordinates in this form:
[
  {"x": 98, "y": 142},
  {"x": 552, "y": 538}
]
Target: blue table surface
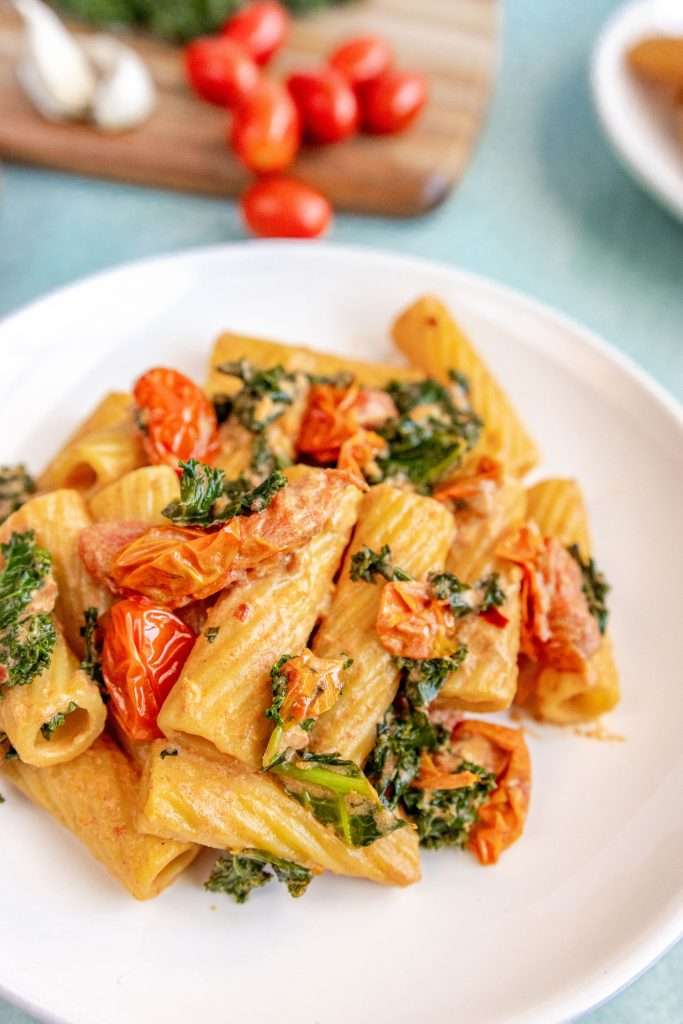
[{"x": 544, "y": 208}]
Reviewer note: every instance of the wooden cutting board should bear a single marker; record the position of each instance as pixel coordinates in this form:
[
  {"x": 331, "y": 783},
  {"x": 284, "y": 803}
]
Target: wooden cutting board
[{"x": 455, "y": 42}]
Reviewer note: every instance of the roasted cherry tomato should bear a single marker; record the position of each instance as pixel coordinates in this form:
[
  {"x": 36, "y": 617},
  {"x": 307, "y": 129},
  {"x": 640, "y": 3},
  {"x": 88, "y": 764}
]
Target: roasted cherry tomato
[
  {"x": 144, "y": 650},
  {"x": 326, "y": 103},
  {"x": 285, "y": 208},
  {"x": 393, "y": 101},
  {"x": 220, "y": 71},
  {"x": 266, "y": 131},
  {"x": 363, "y": 59},
  {"x": 260, "y": 29},
  {"x": 177, "y": 419}
]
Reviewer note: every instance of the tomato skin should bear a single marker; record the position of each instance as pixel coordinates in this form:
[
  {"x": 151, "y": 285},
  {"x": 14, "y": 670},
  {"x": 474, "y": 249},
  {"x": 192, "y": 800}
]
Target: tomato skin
[
  {"x": 177, "y": 419},
  {"x": 266, "y": 131},
  {"x": 393, "y": 101},
  {"x": 282, "y": 207},
  {"x": 362, "y": 59},
  {"x": 144, "y": 650},
  {"x": 220, "y": 71},
  {"x": 260, "y": 29},
  {"x": 326, "y": 103}
]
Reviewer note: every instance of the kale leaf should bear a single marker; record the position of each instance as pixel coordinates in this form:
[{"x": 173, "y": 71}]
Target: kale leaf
[
  {"x": 343, "y": 379},
  {"x": 92, "y": 663},
  {"x": 16, "y": 487},
  {"x": 423, "y": 678},
  {"x": 402, "y": 735},
  {"x": 423, "y": 448},
  {"x": 339, "y": 795},
  {"x": 264, "y": 396},
  {"x": 238, "y": 874},
  {"x": 207, "y": 499},
  {"x": 367, "y": 564},
  {"x": 447, "y": 587},
  {"x": 595, "y": 587},
  {"x": 26, "y": 640},
  {"x": 444, "y": 817},
  {"x": 26, "y": 567},
  {"x": 279, "y": 683},
  {"x": 57, "y": 721}
]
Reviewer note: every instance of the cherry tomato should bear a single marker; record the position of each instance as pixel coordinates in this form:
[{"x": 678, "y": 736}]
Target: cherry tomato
[
  {"x": 363, "y": 59},
  {"x": 176, "y": 418},
  {"x": 285, "y": 208},
  {"x": 266, "y": 131},
  {"x": 326, "y": 103},
  {"x": 144, "y": 650},
  {"x": 260, "y": 29},
  {"x": 393, "y": 101},
  {"x": 220, "y": 71}
]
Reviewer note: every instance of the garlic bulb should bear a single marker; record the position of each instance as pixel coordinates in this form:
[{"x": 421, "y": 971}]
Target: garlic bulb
[{"x": 102, "y": 80}]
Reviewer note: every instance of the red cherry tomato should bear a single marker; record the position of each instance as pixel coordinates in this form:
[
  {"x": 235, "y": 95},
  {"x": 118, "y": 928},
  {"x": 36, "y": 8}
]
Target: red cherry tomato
[
  {"x": 144, "y": 650},
  {"x": 363, "y": 59},
  {"x": 266, "y": 131},
  {"x": 260, "y": 29},
  {"x": 285, "y": 208},
  {"x": 393, "y": 101},
  {"x": 326, "y": 103},
  {"x": 176, "y": 418},
  {"x": 220, "y": 71}
]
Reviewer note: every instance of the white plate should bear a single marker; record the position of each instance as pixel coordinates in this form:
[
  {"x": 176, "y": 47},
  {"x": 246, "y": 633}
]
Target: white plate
[
  {"x": 594, "y": 891},
  {"x": 640, "y": 128}
]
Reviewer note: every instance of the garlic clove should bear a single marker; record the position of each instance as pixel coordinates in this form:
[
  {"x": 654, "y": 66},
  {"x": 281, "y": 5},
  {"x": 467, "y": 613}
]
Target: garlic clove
[
  {"x": 54, "y": 71},
  {"x": 125, "y": 95}
]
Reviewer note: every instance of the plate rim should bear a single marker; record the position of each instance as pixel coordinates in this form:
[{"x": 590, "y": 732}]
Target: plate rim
[
  {"x": 629, "y": 161},
  {"x": 651, "y": 947}
]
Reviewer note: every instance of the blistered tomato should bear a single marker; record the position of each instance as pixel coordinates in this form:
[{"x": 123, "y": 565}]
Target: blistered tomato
[{"x": 266, "y": 131}]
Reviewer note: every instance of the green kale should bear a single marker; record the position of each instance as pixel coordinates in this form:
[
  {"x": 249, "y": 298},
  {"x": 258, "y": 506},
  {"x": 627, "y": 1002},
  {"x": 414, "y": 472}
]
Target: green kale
[
  {"x": 264, "y": 396},
  {"x": 278, "y": 681},
  {"x": 264, "y": 461},
  {"x": 92, "y": 663},
  {"x": 49, "y": 728},
  {"x": 168, "y": 752},
  {"x": 238, "y": 874},
  {"x": 595, "y": 587},
  {"x": 207, "y": 499},
  {"x": 367, "y": 564},
  {"x": 200, "y": 488},
  {"x": 211, "y": 634},
  {"x": 423, "y": 449},
  {"x": 493, "y": 595},
  {"x": 402, "y": 735},
  {"x": 422, "y": 679},
  {"x": 26, "y": 567},
  {"x": 339, "y": 795},
  {"x": 16, "y": 487},
  {"x": 444, "y": 817},
  {"x": 26, "y": 649},
  {"x": 447, "y": 587}
]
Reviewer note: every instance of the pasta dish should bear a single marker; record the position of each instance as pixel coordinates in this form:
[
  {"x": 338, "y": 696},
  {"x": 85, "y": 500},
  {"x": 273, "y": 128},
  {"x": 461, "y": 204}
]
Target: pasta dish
[{"x": 272, "y": 616}]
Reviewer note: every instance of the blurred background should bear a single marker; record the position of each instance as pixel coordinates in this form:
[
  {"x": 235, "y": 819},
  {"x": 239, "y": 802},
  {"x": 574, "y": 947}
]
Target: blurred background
[{"x": 507, "y": 172}]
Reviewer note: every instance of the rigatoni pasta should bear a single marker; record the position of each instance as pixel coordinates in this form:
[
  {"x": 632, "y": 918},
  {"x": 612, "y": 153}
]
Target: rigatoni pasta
[
  {"x": 95, "y": 797},
  {"x": 105, "y": 446}
]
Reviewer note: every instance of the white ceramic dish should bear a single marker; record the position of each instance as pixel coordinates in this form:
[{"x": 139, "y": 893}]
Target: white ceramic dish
[
  {"x": 639, "y": 127},
  {"x": 594, "y": 891}
]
